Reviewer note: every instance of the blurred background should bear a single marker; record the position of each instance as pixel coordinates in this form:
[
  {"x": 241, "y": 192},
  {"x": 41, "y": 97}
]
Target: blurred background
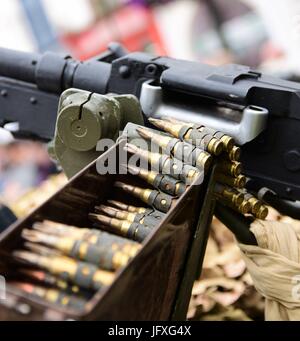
[{"x": 262, "y": 34}]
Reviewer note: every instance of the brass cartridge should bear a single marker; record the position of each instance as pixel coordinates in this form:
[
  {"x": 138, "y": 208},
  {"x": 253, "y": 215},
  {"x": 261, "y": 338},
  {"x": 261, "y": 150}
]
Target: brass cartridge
[
  {"x": 182, "y": 151},
  {"x": 53, "y": 281},
  {"x": 191, "y": 135},
  {"x": 238, "y": 182},
  {"x": 227, "y": 140},
  {"x": 167, "y": 165},
  {"x": 109, "y": 256},
  {"x": 229, "y": 194},
  {"x": 143, "y": 219},
  {"x": 230, "y": 168},
  {"x": 128, "y": 208},
  {"x": 127, "y": 229},
  {"x": 160, "y": 201},
  {"x": 53, "y": 296},
  {"x": 164, "y": 183},
  {"x": 85, "y": 275}
]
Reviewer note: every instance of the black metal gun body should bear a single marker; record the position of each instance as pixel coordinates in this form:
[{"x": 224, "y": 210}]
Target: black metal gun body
[{"x": 30, "y": 86}]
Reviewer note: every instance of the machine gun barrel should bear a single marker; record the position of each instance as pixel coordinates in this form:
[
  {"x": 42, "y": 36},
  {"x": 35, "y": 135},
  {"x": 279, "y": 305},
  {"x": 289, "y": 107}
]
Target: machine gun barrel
[
  {"x": 18, "y": 65},
  {"x": 53, "y": 72}
]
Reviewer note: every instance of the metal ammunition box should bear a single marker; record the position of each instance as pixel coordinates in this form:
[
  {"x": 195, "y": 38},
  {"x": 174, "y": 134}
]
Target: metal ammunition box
[{"x": 155, "y": 285}]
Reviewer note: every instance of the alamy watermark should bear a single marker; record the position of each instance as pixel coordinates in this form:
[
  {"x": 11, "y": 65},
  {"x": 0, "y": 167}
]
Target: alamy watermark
[
  {"x": 296, "y": 288},
  {"x": 2, "y": 288},
  {"x": 116, "y": 161}
]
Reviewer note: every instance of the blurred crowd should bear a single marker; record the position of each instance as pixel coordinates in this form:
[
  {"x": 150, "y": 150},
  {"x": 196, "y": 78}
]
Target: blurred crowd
[
  {"x": 212, "y": 31},
  {"x": 23, "y": 166}
]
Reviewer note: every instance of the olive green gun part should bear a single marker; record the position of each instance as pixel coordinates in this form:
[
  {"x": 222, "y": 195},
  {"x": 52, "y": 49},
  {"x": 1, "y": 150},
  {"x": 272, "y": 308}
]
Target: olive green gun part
[
  {"x": 83, "y": 119},
  {"x": 53, "y": 296},
  {"x": 91, "y": 236},
  {"x": 182, "y": 151},
  {"x": 142, "y": 219},
  {"x": 85, "y": 275},
  {"x": 230, "y": 168},
  {"x": 128, "y": 208},
  {"x": 109, "y": 256},
  {"x": 238, "y": 182},
  {"x": 49, "y": 280},
  {"x": 191, "y": 135},
  {"x": 227, "y": 140},
  {"x": 127, "y": 229},
  {"x": 159, "y": 201},
  {"x": 229, "y": 194},
  {"x": 167, "y": 165},
  {"x": 161, "y": 182}
]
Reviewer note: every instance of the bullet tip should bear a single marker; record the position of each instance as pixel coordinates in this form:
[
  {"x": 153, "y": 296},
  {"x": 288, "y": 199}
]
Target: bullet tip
[
  {"x": 25, "y": 256},
  {"x": 110, "y": 211},
  {"x": 31, "y": 236},
  {"x": 131, "y": 148},
  {"x": 116, "y": 203},
  {"x": 41, "y": 250},
  {"x": 152, "y": 120},
  {"x": 38, "y": 275},
  {"x": 145, "y": 133},
  {"x": 133, "y": 170},
  {"x": 123, "y": 186},
  {"x": 26, "y": 287},
  {"x": 157, "y": 123},
  {"x": 119, "y": 184},
  {"x": 99, "y": 218}
]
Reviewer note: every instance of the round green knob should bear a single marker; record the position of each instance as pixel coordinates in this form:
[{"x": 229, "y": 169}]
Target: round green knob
[{"x": 79, "y": 133}]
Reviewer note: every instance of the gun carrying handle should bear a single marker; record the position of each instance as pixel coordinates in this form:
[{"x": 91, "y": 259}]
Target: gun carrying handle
[{"x": 253, "y": 119}]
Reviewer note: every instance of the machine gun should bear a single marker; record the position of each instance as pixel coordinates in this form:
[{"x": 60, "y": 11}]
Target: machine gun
[{"x": 259, "y": 111}]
